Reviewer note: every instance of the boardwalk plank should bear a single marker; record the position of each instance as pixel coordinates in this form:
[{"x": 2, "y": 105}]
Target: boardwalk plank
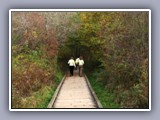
[{"x": 75, "y": 93}]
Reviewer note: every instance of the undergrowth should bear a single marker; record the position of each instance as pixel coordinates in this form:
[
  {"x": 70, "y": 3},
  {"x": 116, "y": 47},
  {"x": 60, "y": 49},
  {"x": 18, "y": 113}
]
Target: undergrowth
[
  {"x": 106, "y": 98},
  {"x": 38, "y": 99},
  {"x": 34, "y": 80}
]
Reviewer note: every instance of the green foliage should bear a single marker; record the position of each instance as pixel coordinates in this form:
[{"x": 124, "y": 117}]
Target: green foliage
[
  {"x": 16, "y": 38},
  {"x": 30, "y": 75},
  {"x": 58, "y": 75},
  {"x": 39, "y": 99},
  {"x": 117, "y": 42},
  {"x": 34, "y": 68},
  {"x": 44, "y": 96},
  {"x": 106, "y": 98}
]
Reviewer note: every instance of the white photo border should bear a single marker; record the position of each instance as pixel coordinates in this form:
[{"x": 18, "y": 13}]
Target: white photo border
[{"x": 75, "y": 10}]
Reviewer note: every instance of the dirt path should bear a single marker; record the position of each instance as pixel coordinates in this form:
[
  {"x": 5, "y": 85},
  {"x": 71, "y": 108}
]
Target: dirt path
[{"x": 75, "y": 94}]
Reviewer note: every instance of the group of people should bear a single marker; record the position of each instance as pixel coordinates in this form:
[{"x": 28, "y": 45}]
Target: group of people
[{"x": 78, "y": 64}]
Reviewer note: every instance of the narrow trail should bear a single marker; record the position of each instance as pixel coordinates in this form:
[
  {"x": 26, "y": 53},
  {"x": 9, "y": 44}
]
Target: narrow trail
[{"x": 75, "y": 93}]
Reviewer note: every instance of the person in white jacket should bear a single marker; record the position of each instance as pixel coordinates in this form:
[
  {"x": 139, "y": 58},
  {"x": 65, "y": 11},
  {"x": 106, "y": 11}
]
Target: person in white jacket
[
  {"x": 81, "y": 63},
  {"x": 71, "y": 63},
  {"x": 77, "y": 63}
]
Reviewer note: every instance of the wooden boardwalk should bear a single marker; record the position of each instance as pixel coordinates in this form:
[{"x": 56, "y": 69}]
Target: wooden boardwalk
[{"x": 74, "y": 93}]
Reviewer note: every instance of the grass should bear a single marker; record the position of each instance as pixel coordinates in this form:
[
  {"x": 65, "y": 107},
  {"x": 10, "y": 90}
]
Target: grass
[
  {"x": 39, "y": 99},
  {"x": 106, "y": 98},
  {"x": 44, "y": 96}
]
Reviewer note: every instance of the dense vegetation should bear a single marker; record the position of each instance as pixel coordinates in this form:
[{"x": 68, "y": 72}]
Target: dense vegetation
[
  {"x": 114, "y": 46},
  {"x": 35, "y": 73}
]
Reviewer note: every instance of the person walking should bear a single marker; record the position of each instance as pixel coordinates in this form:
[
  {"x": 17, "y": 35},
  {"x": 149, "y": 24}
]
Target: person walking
[
  {"x": 77, "y": 63},
  {"x": 71, "y": 65},
  {"x": 81, "y": 63}
]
